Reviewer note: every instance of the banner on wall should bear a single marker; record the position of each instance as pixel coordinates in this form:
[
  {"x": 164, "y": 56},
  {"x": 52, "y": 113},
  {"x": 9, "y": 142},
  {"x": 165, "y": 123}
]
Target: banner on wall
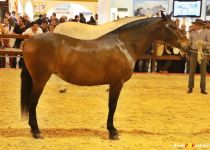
[
  {"x": 39, "y": 7},
  {"x": 150, "y": 8}
]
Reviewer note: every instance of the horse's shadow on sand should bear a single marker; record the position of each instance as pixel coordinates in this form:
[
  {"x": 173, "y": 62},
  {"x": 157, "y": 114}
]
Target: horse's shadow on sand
[{"x": 63, "y": 133}]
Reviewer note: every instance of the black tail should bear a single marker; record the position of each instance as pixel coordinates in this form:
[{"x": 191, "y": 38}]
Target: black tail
[{"x": 26, "y": 87}]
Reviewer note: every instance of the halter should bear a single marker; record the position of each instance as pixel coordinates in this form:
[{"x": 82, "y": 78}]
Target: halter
[{"x": 170, "y": 29}]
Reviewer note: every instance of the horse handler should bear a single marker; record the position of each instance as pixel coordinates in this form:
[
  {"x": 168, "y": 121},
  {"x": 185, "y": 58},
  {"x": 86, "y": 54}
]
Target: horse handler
[{"x": 200, "y": 42}]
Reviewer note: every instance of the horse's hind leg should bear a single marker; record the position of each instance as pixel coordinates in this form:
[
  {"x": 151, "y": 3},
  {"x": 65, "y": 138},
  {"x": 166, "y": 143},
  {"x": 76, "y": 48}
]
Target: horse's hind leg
[
  {"x": 114, "y": 93},
  {"x": 34, "y": 98}
]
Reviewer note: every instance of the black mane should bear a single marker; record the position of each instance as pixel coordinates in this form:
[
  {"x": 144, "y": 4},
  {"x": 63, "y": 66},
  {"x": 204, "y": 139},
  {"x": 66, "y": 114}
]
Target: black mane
[{"x": 141, "y": 22}]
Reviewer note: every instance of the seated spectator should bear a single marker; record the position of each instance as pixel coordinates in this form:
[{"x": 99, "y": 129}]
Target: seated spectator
[{"x": 34, "y": 29}]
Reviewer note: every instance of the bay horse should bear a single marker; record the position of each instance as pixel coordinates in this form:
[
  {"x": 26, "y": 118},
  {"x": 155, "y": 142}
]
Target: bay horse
[{"x": 108, "y": 59}]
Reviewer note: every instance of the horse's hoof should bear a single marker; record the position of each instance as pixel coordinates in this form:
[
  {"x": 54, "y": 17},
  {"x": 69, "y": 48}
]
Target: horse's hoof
[
  {"x": 113, "y": 137},
  {"x": 38, "y": 136}
]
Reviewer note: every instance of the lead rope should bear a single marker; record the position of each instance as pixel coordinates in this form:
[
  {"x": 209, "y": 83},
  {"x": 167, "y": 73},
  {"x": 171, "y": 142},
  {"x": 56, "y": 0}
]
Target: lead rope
[{"x": 199, "y": 45}]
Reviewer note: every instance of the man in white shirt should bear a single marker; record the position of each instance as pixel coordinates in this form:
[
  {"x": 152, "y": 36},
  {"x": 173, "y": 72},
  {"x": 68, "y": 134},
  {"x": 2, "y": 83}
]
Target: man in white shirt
[{"x": 33, "y": 30}]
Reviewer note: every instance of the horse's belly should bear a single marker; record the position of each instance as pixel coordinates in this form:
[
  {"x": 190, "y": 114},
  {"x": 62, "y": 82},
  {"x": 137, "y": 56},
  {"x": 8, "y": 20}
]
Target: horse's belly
[{"x": 84, "y": 76}]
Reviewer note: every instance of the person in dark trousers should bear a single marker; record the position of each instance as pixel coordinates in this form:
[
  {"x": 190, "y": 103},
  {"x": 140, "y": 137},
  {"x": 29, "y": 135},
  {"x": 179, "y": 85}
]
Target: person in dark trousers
[
  {"x": 19, "y": 29},
  {"x": 198, "y": 37}
]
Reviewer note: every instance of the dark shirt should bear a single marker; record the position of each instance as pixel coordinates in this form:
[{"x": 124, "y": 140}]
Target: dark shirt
[{"x": 18, "y": 30}]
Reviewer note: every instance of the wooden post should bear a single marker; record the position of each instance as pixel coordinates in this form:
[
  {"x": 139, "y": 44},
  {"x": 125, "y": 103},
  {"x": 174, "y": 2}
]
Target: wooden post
[{"x": 153, "y": 60}]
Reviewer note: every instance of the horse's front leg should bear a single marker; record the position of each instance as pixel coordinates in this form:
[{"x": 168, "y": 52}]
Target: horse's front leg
[{"x": 114, "y": 93}]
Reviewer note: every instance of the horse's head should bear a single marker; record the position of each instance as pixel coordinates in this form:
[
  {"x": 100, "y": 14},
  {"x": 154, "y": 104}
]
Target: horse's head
[{"x": 171, "y": 34}]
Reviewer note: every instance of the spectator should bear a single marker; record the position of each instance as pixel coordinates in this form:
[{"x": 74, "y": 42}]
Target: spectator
[
  {"x": 14, "y": 16},
  {"x": 7, "y": 29},
  {"x": 82, "y": 18},
  {"x": 53, "y": 18},
  {"x": 19, "y": 29},
  {"x": 10, "y": 18},
  {"x": 44, "y": 26},
  {"x": 51, "y": 28},
  {"x": 96, "y": 18},
  {"x": 2, "y": 60},
  {"x": 53, "y": 22},
  {"x": 92, "y": 21},
  {"x": 76, "y": 18},
  {"x": 44, "y": 17},
  {"x": 26, "y": 21},
  {"x": 34, "y": 29},
  {"x": 39, "y": 20},
  {"x": 62, "y": 20}
]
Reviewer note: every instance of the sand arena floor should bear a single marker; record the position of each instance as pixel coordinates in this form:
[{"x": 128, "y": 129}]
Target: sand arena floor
[{"x": 154, "y": 112}]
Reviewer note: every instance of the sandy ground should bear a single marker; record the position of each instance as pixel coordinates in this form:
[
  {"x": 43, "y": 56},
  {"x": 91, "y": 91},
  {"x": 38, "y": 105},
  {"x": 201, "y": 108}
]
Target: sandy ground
[{"x": 154, "y": 112}]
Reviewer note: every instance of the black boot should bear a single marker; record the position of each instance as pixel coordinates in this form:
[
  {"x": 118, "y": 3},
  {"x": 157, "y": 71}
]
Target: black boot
[
  {"x": 190, "y": 90},
  {"x": 204, "y": 92}
]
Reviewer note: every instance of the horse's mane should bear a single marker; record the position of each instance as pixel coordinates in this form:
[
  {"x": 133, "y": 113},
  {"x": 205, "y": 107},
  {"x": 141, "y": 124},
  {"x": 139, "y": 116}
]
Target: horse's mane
[
  {"x": 142, "y": 22},
  {"x": 91, "y": 32}
]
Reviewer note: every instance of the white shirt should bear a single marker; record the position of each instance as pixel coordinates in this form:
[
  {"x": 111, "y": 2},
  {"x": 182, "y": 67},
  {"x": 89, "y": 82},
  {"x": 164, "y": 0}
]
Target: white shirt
[{"x": 31, "y": 33}]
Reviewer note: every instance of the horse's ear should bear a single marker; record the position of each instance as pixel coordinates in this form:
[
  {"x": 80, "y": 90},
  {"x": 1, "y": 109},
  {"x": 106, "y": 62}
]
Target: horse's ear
[
  {"x": 170, "y": 15},
  {"x": 164, "y": 17}
]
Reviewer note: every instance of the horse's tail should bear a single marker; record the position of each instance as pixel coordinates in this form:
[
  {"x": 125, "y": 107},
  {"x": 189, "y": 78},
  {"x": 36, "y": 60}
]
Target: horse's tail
[{"x": 26, "y": 87}]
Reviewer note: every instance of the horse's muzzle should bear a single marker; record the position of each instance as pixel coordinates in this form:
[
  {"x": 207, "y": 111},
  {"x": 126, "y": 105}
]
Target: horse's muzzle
[{"x": 185, "y": 46}]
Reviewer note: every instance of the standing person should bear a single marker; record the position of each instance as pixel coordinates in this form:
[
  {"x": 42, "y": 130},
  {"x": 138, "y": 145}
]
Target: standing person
[
  {"x": 54, "y": 18},
  {"x": 8, "y": 29},
  {"x": 10, "y": 18},
  {"x": 19, "y": 29},
  {"x": 14, "y": 16},
  {"x": 44, "y": 26},
  {"x": 198, "y": 37},
  {"x": 27, "y": 21}
]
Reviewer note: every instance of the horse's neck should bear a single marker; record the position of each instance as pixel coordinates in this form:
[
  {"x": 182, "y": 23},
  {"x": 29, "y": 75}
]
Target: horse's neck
[{"x": 137, "y": 39}]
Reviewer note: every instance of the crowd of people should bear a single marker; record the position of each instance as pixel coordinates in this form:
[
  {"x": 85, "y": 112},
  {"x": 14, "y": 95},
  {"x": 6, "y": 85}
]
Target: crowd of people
[{"x": 13, "y": 24}]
